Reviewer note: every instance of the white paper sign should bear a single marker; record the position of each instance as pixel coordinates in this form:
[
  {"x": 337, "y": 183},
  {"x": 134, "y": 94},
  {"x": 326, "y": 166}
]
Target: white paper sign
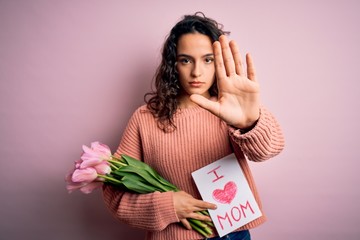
[{"x": 224, "y": 184}]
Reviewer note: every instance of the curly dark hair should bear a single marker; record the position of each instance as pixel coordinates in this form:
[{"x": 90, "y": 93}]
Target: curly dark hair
[{"x": 162, "y": 102}]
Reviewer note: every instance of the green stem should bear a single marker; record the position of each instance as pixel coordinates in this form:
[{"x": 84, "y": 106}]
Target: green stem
[
  {"x": 206, "y": 213},
  {"x": 200, "y": 224},
  {"x": 211, "y": 224},
  {"x": 117, "y": 163},
  {"x": 117, "y": 159},
  {"x": 197, "y": 222},
  {"x": 113, "y": 166},
  {"x": 109, "y": 179},
  {"x": 200, "y": 230}
]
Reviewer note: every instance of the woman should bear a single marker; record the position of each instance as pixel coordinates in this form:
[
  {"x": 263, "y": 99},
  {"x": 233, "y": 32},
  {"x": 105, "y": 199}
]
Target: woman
[{"x": 205, "y": 107}]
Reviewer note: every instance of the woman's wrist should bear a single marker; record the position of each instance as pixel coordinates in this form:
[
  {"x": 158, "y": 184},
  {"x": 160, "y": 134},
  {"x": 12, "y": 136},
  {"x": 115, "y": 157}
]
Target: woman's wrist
[{"x": 248, "y": 129}]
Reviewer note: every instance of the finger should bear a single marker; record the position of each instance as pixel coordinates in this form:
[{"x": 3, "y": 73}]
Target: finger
[
  {"x": 186, "y": 224},
  {"x": 201, "y": 205},
  {"x": 251, "y": 73},
  {"x": 219, "y": 62},
  {"x": 200, "y": 217},
  {"x": 239, "y": 68},
  {"x": 205, "y": 205},
  {"x": 205, "y": 103},
  {"x": 202, "y": 208},
  {"x": 227, "y": 56}
]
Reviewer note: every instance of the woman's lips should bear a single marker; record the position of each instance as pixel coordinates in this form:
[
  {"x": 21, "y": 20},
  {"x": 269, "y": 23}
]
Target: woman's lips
[{"x": 196, "y": 84}]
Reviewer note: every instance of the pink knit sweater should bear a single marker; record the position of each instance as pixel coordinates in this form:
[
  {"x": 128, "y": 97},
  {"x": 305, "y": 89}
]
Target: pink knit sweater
[{"x": 200, "y": 138}]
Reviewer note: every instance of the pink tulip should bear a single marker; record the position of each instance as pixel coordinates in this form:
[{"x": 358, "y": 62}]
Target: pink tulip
[
  {"x": 84, "y": 187},
  {"x": 78, "y": 163},
  {"x": 100, "y": 147},
  {"x": 75, "y": 186},
  {"x": 68, "y": 177},
  {"x": 95, "y": 155},
  {"x": 84, "y": 175},
  {"x": 103, "y": 168},
  {"x": 88, "y": 188},
  {"x": 70, "y": 185}
]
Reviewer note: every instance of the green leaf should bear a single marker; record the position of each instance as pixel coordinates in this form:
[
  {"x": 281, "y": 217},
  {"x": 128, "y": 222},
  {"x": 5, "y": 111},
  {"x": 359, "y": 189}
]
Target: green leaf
[
  {"x": 120, "y": 174},
  {"x": 136, "y": 178},
  {"x": 138, "y": 187},
  {"x": 143, "y": 166},
  {"x": 146, "y": 177}
]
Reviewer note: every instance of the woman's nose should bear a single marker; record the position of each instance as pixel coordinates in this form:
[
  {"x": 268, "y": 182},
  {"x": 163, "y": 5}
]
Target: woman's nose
[{"x": 197, "y": 70}]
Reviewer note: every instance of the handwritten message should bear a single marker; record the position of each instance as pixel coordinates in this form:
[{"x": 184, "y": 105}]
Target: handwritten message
[{"x": 223, "y": 183}]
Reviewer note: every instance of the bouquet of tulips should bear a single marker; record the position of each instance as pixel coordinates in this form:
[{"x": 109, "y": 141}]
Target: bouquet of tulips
[{"x": 98, "y": 166}]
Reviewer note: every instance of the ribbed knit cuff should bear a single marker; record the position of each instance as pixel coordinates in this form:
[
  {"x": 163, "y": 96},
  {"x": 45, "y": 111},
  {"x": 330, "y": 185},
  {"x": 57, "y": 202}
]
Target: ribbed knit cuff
[
  {"x": 153, "y": 211},
  {"x": 238, "y": 135},
  {"x": 262, "y": 142},
  {"x": 165, "y": 208}
]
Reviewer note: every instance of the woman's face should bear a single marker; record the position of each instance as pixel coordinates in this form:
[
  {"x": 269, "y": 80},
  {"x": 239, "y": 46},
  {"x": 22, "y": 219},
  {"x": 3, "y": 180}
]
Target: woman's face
[{"x": 195, "y": 64}]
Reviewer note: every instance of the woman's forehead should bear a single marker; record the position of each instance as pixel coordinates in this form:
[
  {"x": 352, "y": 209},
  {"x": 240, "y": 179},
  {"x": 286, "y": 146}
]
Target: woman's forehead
[{"x": 194, "y": 44}]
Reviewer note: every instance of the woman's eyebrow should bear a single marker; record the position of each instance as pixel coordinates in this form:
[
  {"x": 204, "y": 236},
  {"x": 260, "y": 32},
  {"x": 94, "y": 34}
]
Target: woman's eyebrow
[
  {"x": 188, "y": 56},
  {"x": 183, "y": 55},
  {"x": 209, "y": 55}
]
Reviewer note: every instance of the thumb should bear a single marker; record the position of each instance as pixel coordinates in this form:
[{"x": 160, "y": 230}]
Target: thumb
[{"x": 205, "y": 103}]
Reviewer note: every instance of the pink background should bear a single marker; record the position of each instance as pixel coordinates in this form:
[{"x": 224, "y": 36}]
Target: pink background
[{"x": 72, "y": 72}]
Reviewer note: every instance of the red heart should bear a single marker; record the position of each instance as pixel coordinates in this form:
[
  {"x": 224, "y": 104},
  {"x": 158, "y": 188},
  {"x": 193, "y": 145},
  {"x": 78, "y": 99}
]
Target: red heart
[{"x": 226, "y": 195}]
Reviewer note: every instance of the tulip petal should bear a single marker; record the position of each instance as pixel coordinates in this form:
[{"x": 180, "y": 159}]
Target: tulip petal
[
  {"x": 78, "y": 163},
  {"x": 103, "y": 168},
  {"x": 75, "y": 186},
  {"x": 102, "y": 149},
  {"x": 86, "y": 149},
  {"x": 95, "y": 154},
  {"x": 90, "y": 162},
  {"x": 84, "y": 175},
  {"x": 88, "y": 188}
]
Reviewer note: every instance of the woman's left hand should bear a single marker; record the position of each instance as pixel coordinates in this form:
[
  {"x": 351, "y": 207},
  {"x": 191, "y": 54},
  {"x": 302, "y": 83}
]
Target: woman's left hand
[{"x": 238, "y": 102}]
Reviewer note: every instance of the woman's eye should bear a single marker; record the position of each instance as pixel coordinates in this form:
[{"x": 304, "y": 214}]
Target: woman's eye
[
  {"x": 185, "y": 61},
  {"x": 209, "y": 60}
]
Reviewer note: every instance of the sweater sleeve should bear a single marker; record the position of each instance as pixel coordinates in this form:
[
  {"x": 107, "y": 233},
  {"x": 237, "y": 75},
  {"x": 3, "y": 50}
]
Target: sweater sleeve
[
  {"x": 153, "y": 211},
  {"x": 264, "y": 141}
]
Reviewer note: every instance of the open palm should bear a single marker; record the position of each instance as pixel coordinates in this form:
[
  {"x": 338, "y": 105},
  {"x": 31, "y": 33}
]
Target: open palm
[{"x": 238, "y": 101}]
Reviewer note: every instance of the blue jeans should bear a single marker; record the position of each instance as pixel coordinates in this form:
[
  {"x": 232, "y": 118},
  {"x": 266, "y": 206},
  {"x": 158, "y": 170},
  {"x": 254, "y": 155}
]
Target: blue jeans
[{"x": 241, "y": 235}]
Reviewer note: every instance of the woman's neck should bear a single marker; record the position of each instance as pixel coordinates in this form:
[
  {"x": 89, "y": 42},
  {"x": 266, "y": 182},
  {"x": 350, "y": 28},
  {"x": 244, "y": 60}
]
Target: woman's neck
[{"x": 184, "y": 101}]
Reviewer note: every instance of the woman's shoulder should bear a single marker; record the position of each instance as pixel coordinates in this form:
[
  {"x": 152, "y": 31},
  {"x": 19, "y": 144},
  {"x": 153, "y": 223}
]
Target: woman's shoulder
[
  {"x": 142, "y": 109},
  {"x": 141, "y": 112},
  {"x": 142, "y": 118}
]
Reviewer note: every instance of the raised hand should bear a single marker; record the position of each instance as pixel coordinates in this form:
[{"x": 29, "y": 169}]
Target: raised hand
[{"x": 238, "y": 101}]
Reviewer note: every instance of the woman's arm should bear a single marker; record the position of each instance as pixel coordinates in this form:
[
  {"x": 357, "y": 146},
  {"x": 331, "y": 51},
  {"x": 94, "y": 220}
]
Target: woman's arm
[
  {"x": 153, "y": 211},
  {"x": 265, "y": 140}
]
